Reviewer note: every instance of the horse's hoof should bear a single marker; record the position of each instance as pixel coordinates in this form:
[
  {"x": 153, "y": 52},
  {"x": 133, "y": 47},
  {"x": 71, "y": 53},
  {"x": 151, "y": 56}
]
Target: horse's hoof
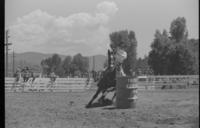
[{"x": 88, "y": 106}]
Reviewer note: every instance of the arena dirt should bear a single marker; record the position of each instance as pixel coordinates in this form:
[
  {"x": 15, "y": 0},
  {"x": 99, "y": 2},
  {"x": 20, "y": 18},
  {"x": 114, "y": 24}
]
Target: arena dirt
[{"x": 154, "y": 109}]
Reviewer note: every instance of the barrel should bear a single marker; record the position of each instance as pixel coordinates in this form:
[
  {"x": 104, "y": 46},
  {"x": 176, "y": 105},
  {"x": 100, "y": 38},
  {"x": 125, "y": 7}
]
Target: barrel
[{"x": 126, "y": 92}]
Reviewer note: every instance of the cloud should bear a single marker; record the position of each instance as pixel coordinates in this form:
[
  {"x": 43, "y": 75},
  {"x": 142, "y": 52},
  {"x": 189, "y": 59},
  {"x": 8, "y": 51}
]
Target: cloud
[
  {"x": 80, "y": 32},
  {"x": 108, "y": 8}
]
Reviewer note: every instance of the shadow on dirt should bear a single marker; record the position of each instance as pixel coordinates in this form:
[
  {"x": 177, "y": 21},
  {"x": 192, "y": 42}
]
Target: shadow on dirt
[
  {"x": 106, "y": 102},
  {"x": 110, "y": 108}
]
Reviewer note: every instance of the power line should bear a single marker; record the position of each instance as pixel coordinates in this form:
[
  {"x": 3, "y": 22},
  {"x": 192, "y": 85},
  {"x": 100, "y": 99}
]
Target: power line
[
  {"x": 6, "y": 45},
  {"x": 93, "y": 63},
  {"x": 13, "y": 63}
]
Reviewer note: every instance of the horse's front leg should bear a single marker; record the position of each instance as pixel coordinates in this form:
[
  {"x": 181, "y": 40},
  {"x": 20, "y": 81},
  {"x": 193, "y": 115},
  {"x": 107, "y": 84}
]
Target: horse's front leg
[
  {"x": 93, "y": 98},
  {"x": 114, "y": 96},
  {"x": 102, "y": 98}
]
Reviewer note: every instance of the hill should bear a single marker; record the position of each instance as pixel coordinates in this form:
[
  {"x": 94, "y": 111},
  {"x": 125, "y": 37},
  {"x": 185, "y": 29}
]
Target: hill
[
  {"x": 33, "y": 59},
  {"x": 98, "y": 61}
]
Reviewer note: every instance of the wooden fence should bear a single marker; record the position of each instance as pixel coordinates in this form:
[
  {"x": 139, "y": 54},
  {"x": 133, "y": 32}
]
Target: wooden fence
[
  {"x": 168, "y": 82},
  {"x": 45, "y": 85},
  {"x": 82, "y": 84}
]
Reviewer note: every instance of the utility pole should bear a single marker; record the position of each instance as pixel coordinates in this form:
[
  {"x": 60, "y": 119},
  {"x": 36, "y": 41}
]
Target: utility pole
[
  {"x": 93, "y": 63},
  {"x": 93, "y": 71},
  {"x": 13, "y": 63},
  {"x": 7, "y": 44}
]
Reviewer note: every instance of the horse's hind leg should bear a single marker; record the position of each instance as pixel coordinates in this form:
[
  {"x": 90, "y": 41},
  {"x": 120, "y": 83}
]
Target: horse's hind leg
[{"x": 94, "y": 97}]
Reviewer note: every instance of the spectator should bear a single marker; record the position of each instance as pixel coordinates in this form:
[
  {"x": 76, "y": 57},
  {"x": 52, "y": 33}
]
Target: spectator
[
  {"x": 17, "y": 75},
  {"x": 27, "y": 74},
  {"x": 33, "y": 76},
  {"x": 23, "y": 75}
]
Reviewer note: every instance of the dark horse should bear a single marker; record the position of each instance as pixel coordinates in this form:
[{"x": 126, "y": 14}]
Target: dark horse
[{"x": 106, "y": 84}]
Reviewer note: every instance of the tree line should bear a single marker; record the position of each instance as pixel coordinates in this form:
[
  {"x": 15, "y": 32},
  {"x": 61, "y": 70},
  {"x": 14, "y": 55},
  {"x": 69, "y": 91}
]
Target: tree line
[
  {"x": 70, "y": 66},
  {"x": 172, "y": 53}
]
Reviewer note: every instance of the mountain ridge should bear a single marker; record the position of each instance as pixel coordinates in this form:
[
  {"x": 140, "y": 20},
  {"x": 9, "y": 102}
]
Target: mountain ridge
[{"x": 35, "y": 58}]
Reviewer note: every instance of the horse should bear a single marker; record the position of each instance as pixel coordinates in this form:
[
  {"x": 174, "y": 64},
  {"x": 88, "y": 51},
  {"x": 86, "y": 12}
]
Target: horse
[
  {"x": 106, "y": 84},
  {"x": 108, "y": 81}
]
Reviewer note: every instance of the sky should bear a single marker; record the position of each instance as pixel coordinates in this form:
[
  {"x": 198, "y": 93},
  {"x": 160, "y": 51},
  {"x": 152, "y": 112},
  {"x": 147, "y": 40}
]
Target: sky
[{"x": 72, "y": 26}]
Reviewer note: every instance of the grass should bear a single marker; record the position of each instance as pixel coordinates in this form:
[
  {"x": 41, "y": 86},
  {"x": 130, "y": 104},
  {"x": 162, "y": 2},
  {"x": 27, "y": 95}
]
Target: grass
[{"x": 154, "y": 109}]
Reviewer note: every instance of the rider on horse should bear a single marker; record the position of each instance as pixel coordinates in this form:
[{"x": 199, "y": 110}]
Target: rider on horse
[{"x": 108, "y": 82}]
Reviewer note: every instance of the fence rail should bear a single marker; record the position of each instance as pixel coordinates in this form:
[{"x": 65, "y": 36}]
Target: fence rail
[
  {"x": 45, "y": 85},
  {"x": 168, "y": 81},
  {"x": 81, "y": 84}
]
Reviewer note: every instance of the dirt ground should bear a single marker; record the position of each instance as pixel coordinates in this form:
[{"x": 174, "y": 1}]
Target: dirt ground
[{"x": 154, "y": 109}]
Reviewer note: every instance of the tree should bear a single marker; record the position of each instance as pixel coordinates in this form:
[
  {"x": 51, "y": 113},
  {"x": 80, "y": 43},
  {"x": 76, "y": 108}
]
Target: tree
[
  {"x": 193, "y": 47},
  {"x": 59, "y": 71},
  {"x": 130, "y": 63},
  {"x": 66, "y": 64},
  {"x": 159, "y": 55},
  {"x": 51, "y": 64},
  {"x": 178, "y": 29},
  {"x": 125, "y": 40},
  {"x": 73, "y": 69},
  {"x": 181, "y": 61},
  {"x": 119, "y": 39},
  {"x": 45, "y": 64},
  {"x": 85, "y": 65},
  {"x": 55, "y": 62},
  {"x": 79, "y": 63},
  {"x": 172, "y": 55},
  {"x": 142, "y": 66}
]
